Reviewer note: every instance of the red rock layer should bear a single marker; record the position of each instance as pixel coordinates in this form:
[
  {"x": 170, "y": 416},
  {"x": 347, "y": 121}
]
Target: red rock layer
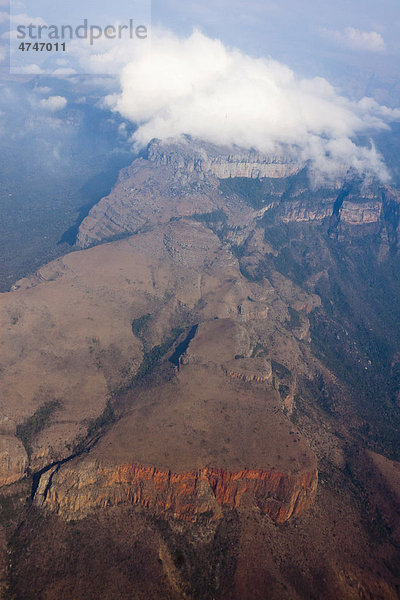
[
  {"x": 248, "y": 378},
  {"x": 74, "y": 494}
]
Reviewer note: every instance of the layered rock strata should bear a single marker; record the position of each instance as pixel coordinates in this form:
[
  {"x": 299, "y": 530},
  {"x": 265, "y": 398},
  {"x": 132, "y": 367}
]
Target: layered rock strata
[
  {"x": 76, "y": 493},
  {"x": 183, "y": 178},
  {"x": 221, "y": 161}
]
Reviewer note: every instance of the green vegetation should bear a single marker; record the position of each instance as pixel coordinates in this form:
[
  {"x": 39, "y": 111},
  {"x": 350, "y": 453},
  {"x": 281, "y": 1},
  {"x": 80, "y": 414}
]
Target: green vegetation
[
  {"x": 152, "y": 358},
  {"x": 216, "y": 220},
  {"x": 255, "y": 192},
  {"x": 356, "y": 331},
  {"x": 250, "y": 190},
  {"x": 106, "y": 418},
  {"x": 238, "y": 251},
  {"x": 283, "y": 390},
  {"x": 253, "y": 273},
  {"x": 279, "y": 370},
  {"x": 210, "y": 218},
  {"x": 10, "y": 506},
  {"x": 30, "y": 429},
  {"x": 139, "y": 325},
  {"x": 294, "y": 321}
]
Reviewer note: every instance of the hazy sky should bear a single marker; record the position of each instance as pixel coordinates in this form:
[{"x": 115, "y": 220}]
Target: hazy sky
[
  {"x": 354, "y": 43},
  {"x": 251, "y": 74},
  {"x": 315, "y": 37}
]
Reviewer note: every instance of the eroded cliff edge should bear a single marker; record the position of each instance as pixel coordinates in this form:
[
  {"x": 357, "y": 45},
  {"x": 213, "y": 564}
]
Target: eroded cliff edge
[
  {"x": 74, "y": 493},
  {"x": 186, "y": 177},
  {"x": 194, "y": 444}
]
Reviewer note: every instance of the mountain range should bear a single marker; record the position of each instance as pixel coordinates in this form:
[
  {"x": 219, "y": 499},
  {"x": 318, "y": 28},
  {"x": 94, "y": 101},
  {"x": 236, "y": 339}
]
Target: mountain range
[{"x": 201, "y": 400}]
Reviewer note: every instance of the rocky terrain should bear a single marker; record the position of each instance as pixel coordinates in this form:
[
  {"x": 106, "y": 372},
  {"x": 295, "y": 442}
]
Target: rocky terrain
[
  {"x": 190, "y": 452},
  {"x": 205, "y": 403},
  {"x": 182, "y": 179},
  {"x": 194, "y": 156}
]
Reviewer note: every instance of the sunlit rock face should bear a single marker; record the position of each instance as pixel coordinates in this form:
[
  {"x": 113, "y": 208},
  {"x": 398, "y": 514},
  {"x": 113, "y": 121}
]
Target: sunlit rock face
[
  {"x": 74, "y": 494},
  {"x": 222, "y": 161}
]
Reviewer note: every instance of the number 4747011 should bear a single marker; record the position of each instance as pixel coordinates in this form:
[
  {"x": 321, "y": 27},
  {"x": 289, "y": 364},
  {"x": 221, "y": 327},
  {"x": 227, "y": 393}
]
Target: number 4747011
[{"x": 42, "y": 47}]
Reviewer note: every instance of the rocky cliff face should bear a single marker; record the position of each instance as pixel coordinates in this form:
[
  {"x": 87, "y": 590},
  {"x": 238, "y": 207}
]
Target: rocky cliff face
[
  {"x": 74, "y": 493},
  {"x": 13, "y": 460},
  {"x": 363, "y": 213},
  {"x": 354, "y": 210},
  {"x": 223, "y": 162},
  {"x": 182, "y": 178},
  {"x": 225, "y": 440},
  {"x": 177, "y": 179}
]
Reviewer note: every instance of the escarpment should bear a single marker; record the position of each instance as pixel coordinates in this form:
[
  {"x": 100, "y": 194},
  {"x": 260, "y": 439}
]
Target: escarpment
[
  {"x": 191, "y": 155},
  {"x": 86, "y": 311},
  {"x": 257, "y": 370},
  {"x": 75, "y": 493},
  {"x": 196, "y": 260},
  {"x": 189, "y": 178},
  {"x": 178, "y": 179},
  {"x": 195, "y": 444}
]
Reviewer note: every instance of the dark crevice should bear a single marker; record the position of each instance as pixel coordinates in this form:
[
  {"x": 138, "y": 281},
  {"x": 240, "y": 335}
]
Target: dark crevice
[
  {"x": 183, "y": 346},
  {"x": 48, "y": 486},
  {"x": 335, "y": 218},
  {"x": 58, "y": 463}
]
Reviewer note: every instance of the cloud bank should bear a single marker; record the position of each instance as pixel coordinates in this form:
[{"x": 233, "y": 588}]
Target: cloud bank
[{"x": 199, "y": 87}]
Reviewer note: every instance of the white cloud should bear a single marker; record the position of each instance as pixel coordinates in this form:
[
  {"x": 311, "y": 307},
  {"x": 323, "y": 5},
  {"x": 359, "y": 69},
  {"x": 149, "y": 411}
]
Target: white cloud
[
  {"x": 369, "y": 41},
  {"x": 54, "y": 103},
  {"x": 197, "y": 86},
  {"x": 10, "y": 35},
  {"x": 4, "y": 16},
  {"x": 30, "y": 69},
  {"x": 26, "y": 20}
]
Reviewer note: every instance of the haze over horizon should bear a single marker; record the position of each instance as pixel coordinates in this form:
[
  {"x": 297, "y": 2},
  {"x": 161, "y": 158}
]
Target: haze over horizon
[{"x": 258, "y": 75}]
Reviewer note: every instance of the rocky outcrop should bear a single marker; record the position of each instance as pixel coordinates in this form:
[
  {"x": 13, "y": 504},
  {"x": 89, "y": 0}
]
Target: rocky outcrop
[
  {"x": 13, "y": 460},
  {"x": 305, "y": 212},
  {"x": 191, "y": 155},
  {"x": 248, "y": 377},
  {"x": 351, "y": 212},
  {"x": 74, "y": 493},
  {"x": 250, "y": 309},
  {"x": 256, "y": 370},
  {"x": 361, "y": 213}
]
